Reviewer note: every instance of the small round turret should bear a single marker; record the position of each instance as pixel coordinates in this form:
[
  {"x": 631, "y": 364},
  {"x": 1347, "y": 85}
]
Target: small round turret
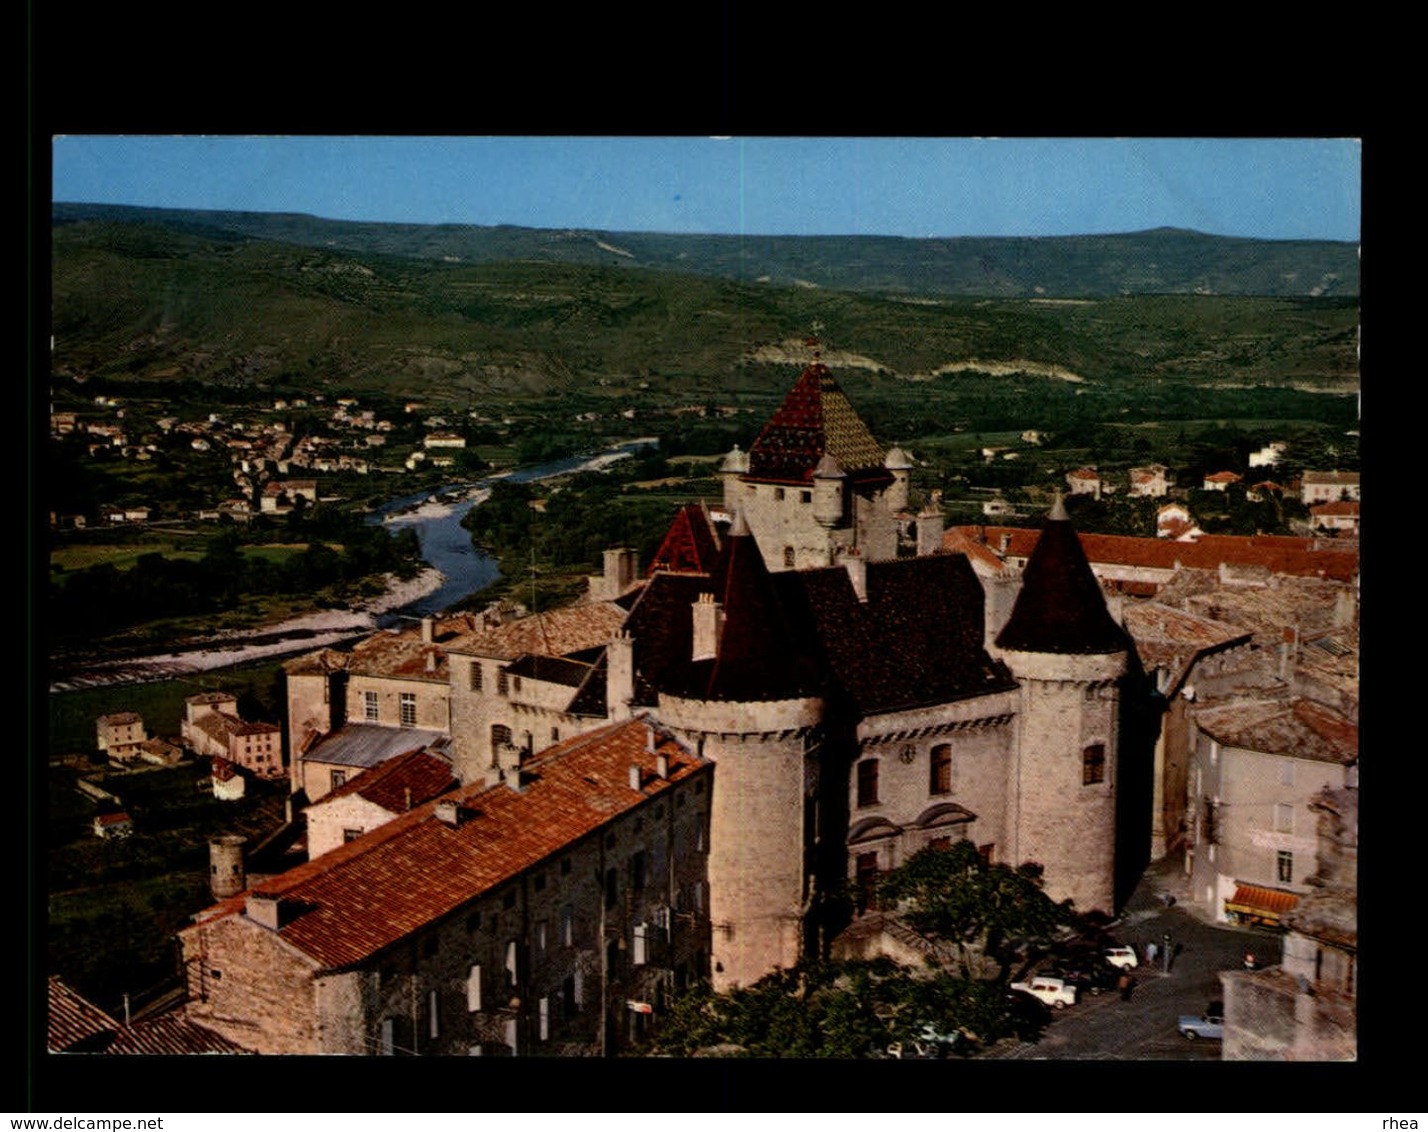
[{"x": 828, "y": 483}]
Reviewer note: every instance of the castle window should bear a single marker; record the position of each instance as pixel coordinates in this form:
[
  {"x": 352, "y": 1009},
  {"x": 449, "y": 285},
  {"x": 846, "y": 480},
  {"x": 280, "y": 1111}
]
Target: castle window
[
  {"x": 778, "y": 493},
  {"x": 503, "y": 682},
  {"x": 500, "y": 736},
  {"x": 408, "y": 708},
  {"x": 940, "y": 772},
  {"x": 1286, "y": 772},
  {"x": 475, "y": 682},
  {"x": 433, "y": 1015},
  {"x": 540, "y": 937},
  {"x": 473, "y": 988},
  {"x": 338, "y": 779},
  {"x": 805, "y": 496},
  {"x": 567, "y": 925},
  {"x": 788, "y": 557},
  {"x": 369, "y": 706},
  {"x": 868, "y": 782},
  {"x": 543, "y": 1011},
  {"x": 637, "y": 872},
  {"x": 569, "y": 1000},
  {"x": 1284, "y": 866},
  {"x": 351, "y": 834},
  {"x": 386, "y": 1043},
  {"x": 511, "y": 963},
  {"x": 867, "y": 881},
  {"x": 555, "y": 734},
  {"x": 1093, "y": 764},
  {"x": 612, "y": 887},
  {"x": 1283, "y": 817}
]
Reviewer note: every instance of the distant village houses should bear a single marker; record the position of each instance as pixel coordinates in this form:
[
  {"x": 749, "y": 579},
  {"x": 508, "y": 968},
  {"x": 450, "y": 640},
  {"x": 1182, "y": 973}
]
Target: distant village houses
[
  {"x": 212, "y": 726},
  {"x": 1329, "y": 487}
]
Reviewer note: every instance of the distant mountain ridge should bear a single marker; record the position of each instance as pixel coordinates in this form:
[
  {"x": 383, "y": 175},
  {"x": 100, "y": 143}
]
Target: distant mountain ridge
[{"x": 1157, "y": 261}]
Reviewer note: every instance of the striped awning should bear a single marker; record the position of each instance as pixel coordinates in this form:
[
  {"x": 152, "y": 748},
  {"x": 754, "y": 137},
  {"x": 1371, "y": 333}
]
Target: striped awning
[{"x": 1263, "y": 903}]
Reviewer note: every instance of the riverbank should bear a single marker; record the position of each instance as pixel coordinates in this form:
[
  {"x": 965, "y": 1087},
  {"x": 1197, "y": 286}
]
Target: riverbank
[{"x": 240, "y": 646}]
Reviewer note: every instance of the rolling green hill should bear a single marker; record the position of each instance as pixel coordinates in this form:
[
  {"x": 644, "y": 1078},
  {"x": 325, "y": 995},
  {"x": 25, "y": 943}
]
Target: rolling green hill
[{"x": 189, "y": 299}]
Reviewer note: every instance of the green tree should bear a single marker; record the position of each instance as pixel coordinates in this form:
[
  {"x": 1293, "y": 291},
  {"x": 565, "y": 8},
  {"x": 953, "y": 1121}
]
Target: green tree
[
  {"x": 843, "y": 1009},
  {"x": 955, "y": 899}
]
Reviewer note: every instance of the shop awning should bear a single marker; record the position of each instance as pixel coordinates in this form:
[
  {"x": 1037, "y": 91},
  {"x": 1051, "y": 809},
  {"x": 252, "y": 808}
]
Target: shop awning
[{"x": 1261, "y": 903}]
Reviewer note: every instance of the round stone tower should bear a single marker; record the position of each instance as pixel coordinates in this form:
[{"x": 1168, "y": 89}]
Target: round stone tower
[
  {"x": 747, "y": 699},
  {"x": 226, "y": 875},
  {"x": 1068, "y": 655}
]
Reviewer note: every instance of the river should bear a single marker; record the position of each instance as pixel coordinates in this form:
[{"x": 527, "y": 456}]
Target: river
[
  {"x": 446, "y": 545},
  {"x": 455, "y": 570}
]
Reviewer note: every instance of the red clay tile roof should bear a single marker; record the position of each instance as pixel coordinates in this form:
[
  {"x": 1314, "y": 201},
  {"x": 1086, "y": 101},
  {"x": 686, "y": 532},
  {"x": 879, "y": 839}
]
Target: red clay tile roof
[
  {"x": 816, "y": 417},
  {"x": 402, "y": 655},
  {"x": 368, "y": 894},
  {"x": 1278, "y": 554},
  {"x": 1338, "y": 507},
  {"x": 556, "y": 632},
  {"x": 1060, "y": 608},
  {"x": 387, "y": 784},
  {"x": 121, "y": 717},
  {"x": 76, "y": 1022},
  {"x": 1223, "y": 477},
  {"x": 1299, "y": 727},
  {"x": 172, "y": 1034}
]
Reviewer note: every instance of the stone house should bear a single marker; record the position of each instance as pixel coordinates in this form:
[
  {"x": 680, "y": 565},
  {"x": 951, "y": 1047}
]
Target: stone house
[
  {"x": 1174, "y": 521},
  {"x": 121, "y": 735},
  {"x": 1254, "y": 772},
  {"x": 113, "y": 825},
  {"x": 1329, "y": 487},
  {"x": 212, "y": 726},
  {"x": 1342, "y": 515},
  {"x": 1084, "y": 481},
  {"x": 1306, "y": 1009},
  {"x": 1219, "y": 481},
  {"x": 374, "y": 797},
  {"x": 1150, "y": 481},
  {"x": 550, "y": 913}
]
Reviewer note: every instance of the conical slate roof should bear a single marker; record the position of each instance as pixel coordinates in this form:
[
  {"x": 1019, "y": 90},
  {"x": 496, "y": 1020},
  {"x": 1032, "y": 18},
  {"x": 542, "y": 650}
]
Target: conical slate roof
[
  {"x": 690, "y": 545},
  {"x": 1061, "y": 608},
  {"x": 759, "y": 656},
  {"x": 815, "y": 418}
]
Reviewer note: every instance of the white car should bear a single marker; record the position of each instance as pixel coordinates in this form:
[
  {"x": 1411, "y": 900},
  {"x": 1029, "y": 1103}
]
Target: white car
[
  {"x": 1053, "y": 992},
  {"x": 1122, "y": 957}
]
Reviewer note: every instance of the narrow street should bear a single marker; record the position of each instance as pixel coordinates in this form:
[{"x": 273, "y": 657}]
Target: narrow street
[{"x": 1104, "y": 1027}]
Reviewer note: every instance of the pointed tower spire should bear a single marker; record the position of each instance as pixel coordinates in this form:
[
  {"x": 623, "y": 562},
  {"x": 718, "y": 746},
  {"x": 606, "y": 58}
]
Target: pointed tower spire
[{"x": 1061, "y": 608}]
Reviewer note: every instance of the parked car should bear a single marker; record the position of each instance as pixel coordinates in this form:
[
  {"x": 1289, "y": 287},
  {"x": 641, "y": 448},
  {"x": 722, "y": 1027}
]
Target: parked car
[
  {"x": 1052, "y": 991},
  {"x": 1090, "y": 979},
  {"x": 928, "y": 1043},
  {"x": 1123, "y": 957},
  {"x": 1211, "y": 1024}
]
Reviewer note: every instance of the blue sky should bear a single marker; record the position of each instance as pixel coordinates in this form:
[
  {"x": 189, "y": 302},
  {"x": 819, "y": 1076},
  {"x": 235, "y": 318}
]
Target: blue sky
[{"x": 1287, "y": 188}]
